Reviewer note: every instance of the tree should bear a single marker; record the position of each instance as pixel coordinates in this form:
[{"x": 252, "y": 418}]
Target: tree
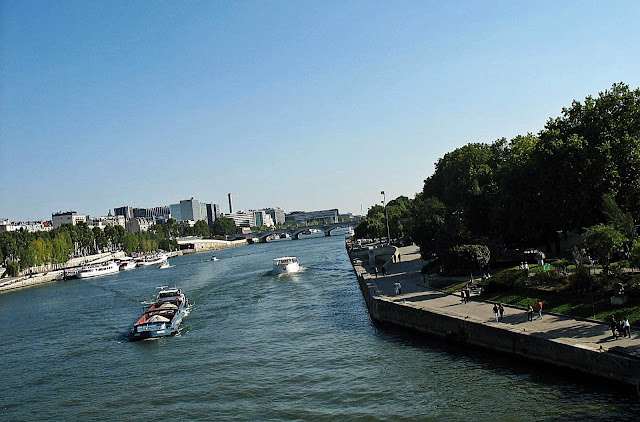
[
  {"x": 100, "y": 240},
  {"x": 634, "y": 261},
  {"x": 62, "y": 247},
  {"x": 201, "y": 229},
  {"x": 620, "y": 220},
  {"x": 603, "y": 239},
  {"x": 470, "y": 256},
  {"x": 224, "y": 227},
  {"x": 130, "y": 243}
]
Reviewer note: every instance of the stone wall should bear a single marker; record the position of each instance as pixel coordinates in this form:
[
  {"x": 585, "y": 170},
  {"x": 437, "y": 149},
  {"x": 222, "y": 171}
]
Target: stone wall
[{"x": 613, "y": 366}]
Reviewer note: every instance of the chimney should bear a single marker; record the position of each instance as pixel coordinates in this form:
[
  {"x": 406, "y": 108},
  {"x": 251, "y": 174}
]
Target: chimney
[{"x": 230, "y": 205}]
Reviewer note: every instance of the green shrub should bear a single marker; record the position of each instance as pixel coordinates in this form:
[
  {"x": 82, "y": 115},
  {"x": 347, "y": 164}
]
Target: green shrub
[
  {"x": 581, "y": 281},
  {"x": 507, "y": 280},
  {"x": 13, "y": 268}
]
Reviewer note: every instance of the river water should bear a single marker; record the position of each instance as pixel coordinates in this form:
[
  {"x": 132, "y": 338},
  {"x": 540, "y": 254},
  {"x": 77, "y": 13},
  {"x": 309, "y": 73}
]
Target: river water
[{"x": 259, "y": 347}]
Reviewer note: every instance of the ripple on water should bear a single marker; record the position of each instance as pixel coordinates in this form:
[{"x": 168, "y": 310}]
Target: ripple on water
[{"x": 259, "y": 347}]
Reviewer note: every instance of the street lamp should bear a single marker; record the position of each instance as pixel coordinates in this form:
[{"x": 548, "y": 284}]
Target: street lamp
[{"x": 386, "y": 216}]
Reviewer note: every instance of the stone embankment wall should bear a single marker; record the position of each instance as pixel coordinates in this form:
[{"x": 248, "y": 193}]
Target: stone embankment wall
[
  {"x": 610, "y": 365},
  {"x": 207, "y": 245}
]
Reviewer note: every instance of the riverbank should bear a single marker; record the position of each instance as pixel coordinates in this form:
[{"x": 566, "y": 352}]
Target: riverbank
[
  {"x": 582, "y": 345},
  {"x": 38, "y": 278}
]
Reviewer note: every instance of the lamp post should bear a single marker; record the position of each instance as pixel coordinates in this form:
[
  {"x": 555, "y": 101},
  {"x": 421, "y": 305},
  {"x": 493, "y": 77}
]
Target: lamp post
[{"x": 386, "y": 216}]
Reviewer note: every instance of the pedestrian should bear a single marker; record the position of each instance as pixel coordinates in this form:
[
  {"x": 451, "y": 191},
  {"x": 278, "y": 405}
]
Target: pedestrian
[
  {"x": 375, "y": 271},
  {"x": 539, "y": 306},
  {"x": 530, "y": 313},
  {"x": 467, "y": 294},
  {"x": 462, "y": 296},
  {"x": 626, "y": 327},
  {"x": 384, "y": 271},
  {"x": 613, "y": 325},
  {"x": 399, "y": 257},
  {"x": 495, "y": 311},
  {"x": 399, "y": 288},
  {"x": 501, "y": 310}
]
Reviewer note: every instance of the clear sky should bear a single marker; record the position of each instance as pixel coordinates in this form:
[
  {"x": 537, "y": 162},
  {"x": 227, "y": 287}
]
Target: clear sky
[{"x": 304, "y": 105}]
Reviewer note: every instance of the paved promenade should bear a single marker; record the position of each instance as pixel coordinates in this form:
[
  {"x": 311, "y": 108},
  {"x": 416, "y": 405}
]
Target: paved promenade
[{"x": 577, "y": 332}]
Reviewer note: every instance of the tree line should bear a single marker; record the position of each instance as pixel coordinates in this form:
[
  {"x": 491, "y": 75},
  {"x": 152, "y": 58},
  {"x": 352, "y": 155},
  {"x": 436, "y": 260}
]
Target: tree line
[
  {"x": 579, "y": 174},
  {"x": 22, "y": 249}
]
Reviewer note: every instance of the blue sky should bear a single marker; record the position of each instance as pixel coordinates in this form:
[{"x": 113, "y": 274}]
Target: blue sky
[{"x": 302, "y": 105}]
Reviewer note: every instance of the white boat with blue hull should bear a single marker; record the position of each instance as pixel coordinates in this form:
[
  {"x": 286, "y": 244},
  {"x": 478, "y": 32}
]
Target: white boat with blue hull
[{"x": 163, "y": 317}]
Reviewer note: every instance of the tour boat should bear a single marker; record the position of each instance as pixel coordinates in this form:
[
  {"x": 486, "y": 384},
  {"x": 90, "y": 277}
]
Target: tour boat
[
  {"x": 96, "y": 270},
  {"x": 285, "y": 265},
  {"x": 152, "y": 260},
  {"x": 311, "y": 233},
  {"x": 163, "y": 318},
  {"x": 128, "y": 265},
  {"x": 278, "y": 237}
]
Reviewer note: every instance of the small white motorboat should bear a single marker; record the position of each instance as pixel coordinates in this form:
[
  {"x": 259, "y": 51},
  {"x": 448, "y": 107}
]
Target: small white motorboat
[
  {"x": 214, "y": 258},
  {"x": 165, "y": 264},
  {"x": 286, "y": 265}
]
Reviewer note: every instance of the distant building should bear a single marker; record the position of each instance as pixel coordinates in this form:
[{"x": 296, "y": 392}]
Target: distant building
[
  {"x": 139, "y": 224},
  {"x": 251, "y": 218},
  {"x": 277, "y": 215},
  {"x": 126, "y": 212},
  {"x": 213, "y": 212},
  {"x": 321, "y": 217},
  {"x": 29, "y": 226},
  {"x": 103, "y": 222},
  {"x": 67, "y": 217},
  {"x": 262, "y": 218},
  {"x": 242, "y": 218},
  {"x": 189, "y": 209},
  {"x": 163, "y": 213}
]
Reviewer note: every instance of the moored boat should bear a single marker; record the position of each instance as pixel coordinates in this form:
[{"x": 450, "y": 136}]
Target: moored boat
[
  {"x": 96, "y": 270},
  {"x": 152, "y": 260},
  {"x": 276, "y": 237},
  {"x": 127, "y": 265},
  {"x": 285, "y": 265},
  {"x": 342, "y": 231},
  {"x": 163, "y": 318},
  {"x": 311, "y": 233}
]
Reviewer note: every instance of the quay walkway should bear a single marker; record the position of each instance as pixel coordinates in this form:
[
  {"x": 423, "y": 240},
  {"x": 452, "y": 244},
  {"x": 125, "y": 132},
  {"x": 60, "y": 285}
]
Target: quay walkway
[{"x": 580, "y": 344}]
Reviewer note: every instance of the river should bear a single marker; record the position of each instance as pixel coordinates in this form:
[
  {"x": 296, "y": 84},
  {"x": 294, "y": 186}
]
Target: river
[{"x": 259, "y": 347}]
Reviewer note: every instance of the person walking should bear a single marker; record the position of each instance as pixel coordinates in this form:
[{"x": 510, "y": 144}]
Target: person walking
[
  {"x": 467, "y": 295},
  {"x": 627, "y": 327},
  {"x": 375, "y": 271},
  {"x": 495, "y": 311},
  {"x": 613, "y": 325},
  {"x": 462, "y": 298},
  {"x": 530, "y": 313},
  {"x": 501, "y": 310},
  {"x": 397, "y": 286},
  {"x": 539, "y": 306},
  {"x": 384, "y": 271}
]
